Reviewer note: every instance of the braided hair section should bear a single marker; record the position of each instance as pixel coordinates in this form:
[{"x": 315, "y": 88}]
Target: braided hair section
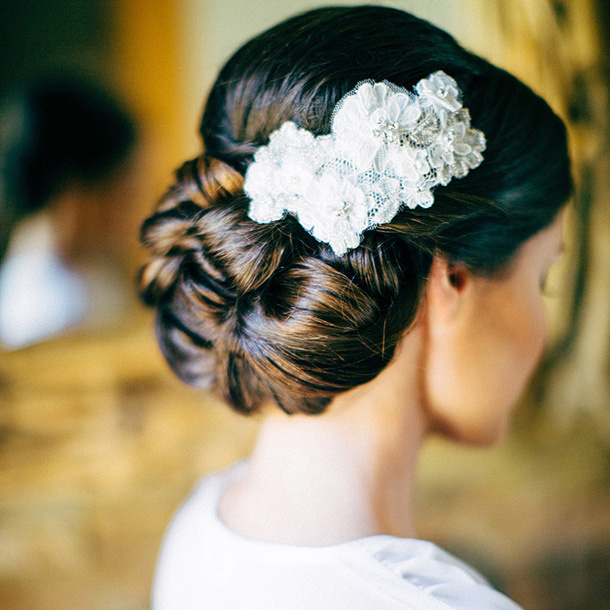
[{"x": 265, "y": 312}]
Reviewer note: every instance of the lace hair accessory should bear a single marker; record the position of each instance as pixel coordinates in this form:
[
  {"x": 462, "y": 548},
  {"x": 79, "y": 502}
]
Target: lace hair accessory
[{"x": 387, "y": 148}]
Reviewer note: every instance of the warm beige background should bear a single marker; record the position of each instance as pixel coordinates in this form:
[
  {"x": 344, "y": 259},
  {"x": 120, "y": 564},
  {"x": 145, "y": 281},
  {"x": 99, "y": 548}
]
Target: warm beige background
[{"x": 99, "y": 444}]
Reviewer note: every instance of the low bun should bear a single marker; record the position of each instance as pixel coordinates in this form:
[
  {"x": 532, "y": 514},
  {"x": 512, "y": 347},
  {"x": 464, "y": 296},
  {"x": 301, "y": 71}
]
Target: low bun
[
  {"x": 263, "y": 311},
  {"x": 321, "y": 328}
]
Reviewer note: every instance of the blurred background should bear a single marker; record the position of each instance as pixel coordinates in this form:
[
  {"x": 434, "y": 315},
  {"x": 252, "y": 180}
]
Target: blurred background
[{"x": 99, "y": 444}]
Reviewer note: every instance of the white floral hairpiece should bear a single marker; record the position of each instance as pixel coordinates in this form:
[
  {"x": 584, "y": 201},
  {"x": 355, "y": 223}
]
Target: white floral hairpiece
[{"x": 387, "y": 148}]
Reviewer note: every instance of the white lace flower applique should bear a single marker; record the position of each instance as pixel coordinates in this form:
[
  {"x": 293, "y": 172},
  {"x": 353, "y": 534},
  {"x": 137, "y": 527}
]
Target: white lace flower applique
[{"x": 387, "y": 148}]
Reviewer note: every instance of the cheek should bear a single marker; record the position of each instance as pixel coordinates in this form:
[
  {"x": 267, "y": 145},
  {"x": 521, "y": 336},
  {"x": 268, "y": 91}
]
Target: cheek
[
  {"x": 477, "y": 372},
  {"x": 528, "y": 338},
  {"x": 515, "y": 334}
]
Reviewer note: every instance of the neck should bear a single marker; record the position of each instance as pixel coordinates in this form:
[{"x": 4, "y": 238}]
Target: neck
[{"x": 349, "y": 473}]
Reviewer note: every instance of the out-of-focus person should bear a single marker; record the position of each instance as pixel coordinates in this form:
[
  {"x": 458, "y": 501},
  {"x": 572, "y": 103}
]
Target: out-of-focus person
[{"x": 66, "y": 175}]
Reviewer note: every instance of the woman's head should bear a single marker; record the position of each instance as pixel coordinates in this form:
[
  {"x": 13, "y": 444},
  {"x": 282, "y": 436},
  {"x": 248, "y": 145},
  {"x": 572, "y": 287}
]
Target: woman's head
[
  {"x": 267, "y": 312},
  {"x": 54, "y": 134}
]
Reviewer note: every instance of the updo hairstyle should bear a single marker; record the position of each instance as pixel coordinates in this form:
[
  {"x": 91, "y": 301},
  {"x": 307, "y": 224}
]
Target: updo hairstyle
[{"x": 267, "y": 313}]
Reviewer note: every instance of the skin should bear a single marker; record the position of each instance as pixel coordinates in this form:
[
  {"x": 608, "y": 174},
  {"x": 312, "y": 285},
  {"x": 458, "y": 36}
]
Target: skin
[
  {"x": 350, "y": 473},
  {"x": 484, "y": 338}
]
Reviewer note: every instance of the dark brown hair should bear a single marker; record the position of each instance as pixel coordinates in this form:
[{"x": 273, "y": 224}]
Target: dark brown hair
[{"x": 265, "y": 311}]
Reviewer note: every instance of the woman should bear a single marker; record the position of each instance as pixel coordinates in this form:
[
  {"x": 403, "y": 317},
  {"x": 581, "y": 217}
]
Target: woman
[
  {"x": 358, "y": 254},
  {"x": 66, "y": 169}
]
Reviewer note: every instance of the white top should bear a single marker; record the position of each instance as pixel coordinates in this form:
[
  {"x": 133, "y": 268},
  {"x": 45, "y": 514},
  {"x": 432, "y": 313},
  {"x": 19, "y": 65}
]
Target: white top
[
  {"x": 39, "y": 296},
  {"x": 42, "y": 297},
  {"x": 205, "y": 565}
]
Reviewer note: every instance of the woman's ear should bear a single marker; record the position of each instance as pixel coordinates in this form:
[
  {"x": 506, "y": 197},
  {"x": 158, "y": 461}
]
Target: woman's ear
[{"x": 447, "y": 286}]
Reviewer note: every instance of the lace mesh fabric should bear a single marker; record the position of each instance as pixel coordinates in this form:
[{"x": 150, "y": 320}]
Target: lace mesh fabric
[{"x": 387, "y": 148}]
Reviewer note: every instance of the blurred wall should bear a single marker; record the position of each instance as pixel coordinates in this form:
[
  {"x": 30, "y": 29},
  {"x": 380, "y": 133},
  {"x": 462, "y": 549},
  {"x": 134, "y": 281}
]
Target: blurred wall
[{"x": 63, "y": 35}]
